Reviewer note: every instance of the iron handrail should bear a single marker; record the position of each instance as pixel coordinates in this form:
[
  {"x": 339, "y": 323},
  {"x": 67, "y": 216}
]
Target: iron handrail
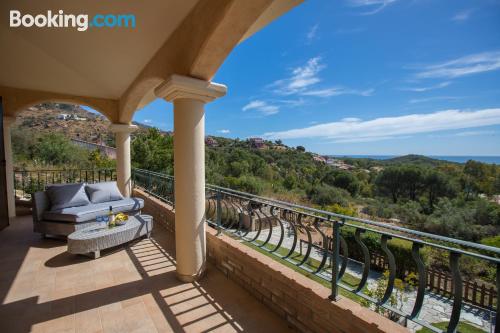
[{"x": 227, "y": 209}]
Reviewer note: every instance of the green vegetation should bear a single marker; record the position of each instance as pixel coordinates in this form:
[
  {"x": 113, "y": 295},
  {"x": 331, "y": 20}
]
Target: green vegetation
[
  {"x": 463, "y": 327},
  {"x": 422, "y": 193},
  {"x": 439, "y": 197},
  {"x": 34, "y": 150},
  {"x": 153, "y": 151},
  {"x": 418, "y": 192}
]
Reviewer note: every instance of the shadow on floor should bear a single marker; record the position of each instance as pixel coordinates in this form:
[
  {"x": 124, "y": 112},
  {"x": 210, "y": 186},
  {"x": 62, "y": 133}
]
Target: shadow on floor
[{"x": 132, "y": 289}]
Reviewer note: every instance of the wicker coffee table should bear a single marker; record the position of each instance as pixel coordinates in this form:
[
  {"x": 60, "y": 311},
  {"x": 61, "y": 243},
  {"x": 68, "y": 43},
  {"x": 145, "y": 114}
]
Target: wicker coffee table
[{"x": 90, "y": 241}]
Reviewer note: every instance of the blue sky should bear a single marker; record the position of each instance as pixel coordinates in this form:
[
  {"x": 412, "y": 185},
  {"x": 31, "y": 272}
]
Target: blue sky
[{"x": 380, "y": 77}]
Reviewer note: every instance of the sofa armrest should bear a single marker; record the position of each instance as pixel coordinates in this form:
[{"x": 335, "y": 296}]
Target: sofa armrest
[{"x": 41, "y": 204}]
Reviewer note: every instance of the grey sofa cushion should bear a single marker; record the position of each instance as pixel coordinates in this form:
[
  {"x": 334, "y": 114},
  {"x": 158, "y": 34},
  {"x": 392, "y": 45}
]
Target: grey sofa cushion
[
  {"x": 91, "y": 211},
  {"x": 103, "y": 192},
  {"x": 67, "y": 195}
]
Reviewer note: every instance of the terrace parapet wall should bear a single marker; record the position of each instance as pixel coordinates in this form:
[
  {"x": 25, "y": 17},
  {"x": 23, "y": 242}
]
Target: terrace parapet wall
[{"x": 303, "y": 302}]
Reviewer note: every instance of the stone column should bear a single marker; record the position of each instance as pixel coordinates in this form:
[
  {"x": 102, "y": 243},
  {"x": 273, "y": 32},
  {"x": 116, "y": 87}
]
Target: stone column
[
  {"x": 189, "y": 96},
  {"x": 9, "y": 165},
  {"x": 123, "y": 163}
]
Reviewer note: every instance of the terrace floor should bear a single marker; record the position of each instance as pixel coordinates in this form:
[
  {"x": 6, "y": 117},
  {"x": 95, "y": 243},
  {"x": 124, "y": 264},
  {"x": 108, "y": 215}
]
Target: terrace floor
[{"x": 130, "y": 289}]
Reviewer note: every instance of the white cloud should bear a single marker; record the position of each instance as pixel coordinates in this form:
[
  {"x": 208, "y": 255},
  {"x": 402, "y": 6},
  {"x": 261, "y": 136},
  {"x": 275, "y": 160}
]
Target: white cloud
[
  {"x": 312, "y": 33},
  {"x": 147, "y": 121},
  {"x": 369, "y": 139},
  {"x": 391, "y": 127},
  {"x": 262, "y": 106},
  {"x": 462, "y": 134},
  {"x": 253, "y": 105},
  {"x": 337, "y": 91},
  {"x": 351, "y": 120},
  {"x": 435, "y": 98},
  {"x": 475, "y": 133},
  {"x": 289, "y": 102},
  {"x": 301, "y": 78},
  {"x": 462, "y": 16},
  {"x": 224, "y": 131},
  {"x": 471, "y": 64},
  {"x": 422, "y": 89},
  {"x": 373, "y": 6}
]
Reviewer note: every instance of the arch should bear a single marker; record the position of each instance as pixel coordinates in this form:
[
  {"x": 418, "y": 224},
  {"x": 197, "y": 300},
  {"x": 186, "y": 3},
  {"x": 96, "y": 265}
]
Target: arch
[
  {"x": 17, "y": 100},
  {"x": 197, "y": 48}
]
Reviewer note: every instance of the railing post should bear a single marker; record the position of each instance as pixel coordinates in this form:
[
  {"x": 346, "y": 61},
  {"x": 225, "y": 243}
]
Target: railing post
[
  {"x": 149, "y": 181},
  {"x": 457, "y": 292},
  {"x": 173, "y": 192},
  {"x": 218, "y": 217},
  {"x": 497, "y": 319},
  {"x": 336, "y": 258}
]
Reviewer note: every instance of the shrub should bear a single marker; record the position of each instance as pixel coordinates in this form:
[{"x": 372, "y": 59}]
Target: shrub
[
  {"x": 248, "y": 184},
  {"x": 400, "y": 248},
  {"x": 325, "y": 195},
  {"x": 338, "y": 209}
]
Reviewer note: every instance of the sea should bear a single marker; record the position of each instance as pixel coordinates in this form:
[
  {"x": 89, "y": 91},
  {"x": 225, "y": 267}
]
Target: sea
[{"x": 456, "y": 159}]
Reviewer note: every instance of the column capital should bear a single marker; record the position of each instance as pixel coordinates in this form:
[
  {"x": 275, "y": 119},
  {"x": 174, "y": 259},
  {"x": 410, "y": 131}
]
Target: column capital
[
  {"x": 8, "y": 120},
  {"x": 177, "y": 86},
  {"x": 123, "y": 128}
]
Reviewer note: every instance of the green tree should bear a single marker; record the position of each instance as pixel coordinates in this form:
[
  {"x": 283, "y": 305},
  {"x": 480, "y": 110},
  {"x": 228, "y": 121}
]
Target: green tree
[
  {"x": 325, "y": 195},
  {"x": 153, "y": 150},
  {"x": 56, "y": 149},
  {"x": 290, "y": 181},
  {"x": 390, "y": 182},
  {"x": 437, "y": 185},
  {"x": 412, "y": 180}
]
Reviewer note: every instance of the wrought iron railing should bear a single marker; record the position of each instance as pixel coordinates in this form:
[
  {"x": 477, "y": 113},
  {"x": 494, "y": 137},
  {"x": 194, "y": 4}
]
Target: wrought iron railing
[
  {"x": 277, "y": 227},
  {"x": 157, "y": 184},
  {"x": 27, "y": 182}
]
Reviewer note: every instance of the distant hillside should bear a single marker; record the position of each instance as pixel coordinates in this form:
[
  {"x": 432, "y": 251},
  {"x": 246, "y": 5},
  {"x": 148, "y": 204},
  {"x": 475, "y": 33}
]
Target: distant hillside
[
  {"x": 71, "y": 120},
  {"x": 367, "y": 162},
  {"x": 415, "y": 160}
]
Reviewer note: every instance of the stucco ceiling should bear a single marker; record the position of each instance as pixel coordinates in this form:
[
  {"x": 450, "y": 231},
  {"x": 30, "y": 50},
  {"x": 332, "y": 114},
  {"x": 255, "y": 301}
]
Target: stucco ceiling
[{"x": 100, "y": 62}]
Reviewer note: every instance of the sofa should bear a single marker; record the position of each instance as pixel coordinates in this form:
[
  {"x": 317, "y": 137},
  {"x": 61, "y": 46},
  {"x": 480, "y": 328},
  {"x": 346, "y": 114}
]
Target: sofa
[{"x": 65, "y": 208}]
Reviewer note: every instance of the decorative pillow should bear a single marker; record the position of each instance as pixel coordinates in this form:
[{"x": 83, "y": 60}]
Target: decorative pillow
[
  {"x": 67, "y": 195},
  {"x": 103, "y": 192}
]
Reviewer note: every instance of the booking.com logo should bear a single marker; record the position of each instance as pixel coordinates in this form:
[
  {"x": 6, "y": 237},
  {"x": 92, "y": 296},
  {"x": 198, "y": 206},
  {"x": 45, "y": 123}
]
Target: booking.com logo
[{"x": 61, "y": 20}]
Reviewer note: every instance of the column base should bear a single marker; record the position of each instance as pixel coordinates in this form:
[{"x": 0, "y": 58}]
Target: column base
[{"x": 190, "y": 278}]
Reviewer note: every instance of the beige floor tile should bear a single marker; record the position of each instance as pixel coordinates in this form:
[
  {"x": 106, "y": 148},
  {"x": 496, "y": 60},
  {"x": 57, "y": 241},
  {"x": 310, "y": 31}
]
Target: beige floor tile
[{"x": 129, "y": 289}]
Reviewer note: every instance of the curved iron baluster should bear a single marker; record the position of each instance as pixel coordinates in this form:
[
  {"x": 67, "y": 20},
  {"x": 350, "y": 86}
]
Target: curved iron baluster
[
  {"x": 228, "y": 209},
  {"x": 234, "y": 214},
  {"x": 270, "y": 223},
  {"x": 260, "y": 225},
  {"x": 392, "y": 269},
  {"x": 208, "y": 209},
  {"x": 325, "y": 246},
  {"x": 282, "y": 227},
  {"x": 309, "y": 244},
  {"x": 294, "y": 244},
  {"x": 345, "y": 257},
  {"x": 457, "y": 292},
  {"x": 219, "y": 215},
  {"x": 213, "y": 206},
  {"x": 249, "y": 210},
  {"x": 225, "y": 205},
  {"x": 366, "y": 256},
  {"x": 422, "y": 279},
  {"x": 241, "y": 215}
]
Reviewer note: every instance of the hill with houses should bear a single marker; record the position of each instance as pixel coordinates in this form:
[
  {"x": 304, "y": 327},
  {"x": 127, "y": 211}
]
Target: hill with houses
[{"x": 73, "y": 121}]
